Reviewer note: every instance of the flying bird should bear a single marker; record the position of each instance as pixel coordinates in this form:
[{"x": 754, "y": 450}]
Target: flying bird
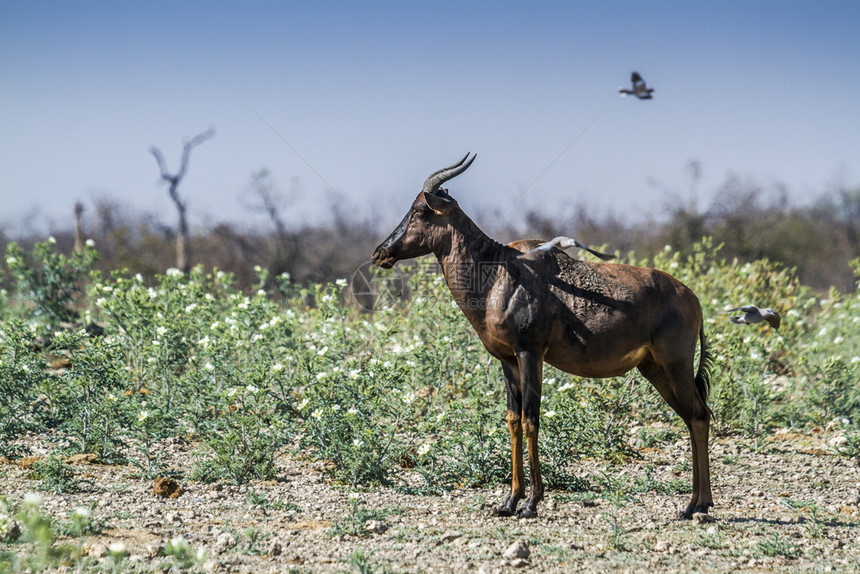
[
  {"x": 753, "y": 314},
  {"x": 563, "y": 243},
  {"x": 640, "y": 90}
]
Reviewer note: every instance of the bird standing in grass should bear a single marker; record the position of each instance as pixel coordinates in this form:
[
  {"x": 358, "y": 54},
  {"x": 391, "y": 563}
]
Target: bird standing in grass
[
  {"x": 562, "y": 243},
  {"x": 640, "y": 89},
  {"x": 753, "y": 314}
]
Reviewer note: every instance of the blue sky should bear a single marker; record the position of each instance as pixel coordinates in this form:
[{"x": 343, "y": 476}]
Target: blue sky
[{"x": 375, "y": 95}]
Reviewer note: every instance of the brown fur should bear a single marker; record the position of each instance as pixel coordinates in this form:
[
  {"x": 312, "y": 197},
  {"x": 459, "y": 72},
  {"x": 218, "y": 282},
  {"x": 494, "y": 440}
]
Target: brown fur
[{"x": 589, "y": 319}]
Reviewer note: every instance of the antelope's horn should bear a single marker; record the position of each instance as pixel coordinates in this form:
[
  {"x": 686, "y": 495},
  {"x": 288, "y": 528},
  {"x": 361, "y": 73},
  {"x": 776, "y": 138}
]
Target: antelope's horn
[{"x": 438, "y": 177}]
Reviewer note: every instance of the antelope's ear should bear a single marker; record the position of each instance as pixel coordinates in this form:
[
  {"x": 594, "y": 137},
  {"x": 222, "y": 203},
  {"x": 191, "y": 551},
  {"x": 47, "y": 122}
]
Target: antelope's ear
[{"x": 441, "y": 205}]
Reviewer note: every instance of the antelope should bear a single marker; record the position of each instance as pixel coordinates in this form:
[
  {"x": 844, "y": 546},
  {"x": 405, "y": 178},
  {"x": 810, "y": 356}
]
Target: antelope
[{"x": 589, "y": 319}]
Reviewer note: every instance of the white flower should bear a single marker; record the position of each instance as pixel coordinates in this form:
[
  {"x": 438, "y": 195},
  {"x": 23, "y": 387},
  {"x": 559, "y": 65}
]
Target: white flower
[
  {"x": 277, "y": 367},
  {"x": 52, "y": 239},
  {"x": 321, "y": 375},
  {"x": 304, "y": 403},
  {"x": 409, "y": 397},
  {"x": 100, "y": 302},
  {"x": 550, "y": 381},
  {"x": 204, "y": 341},
  {"x": 341, "y": 283},
  {"x": 317, "y": 414},
  {"x": 82, "y": 512},
  {"x": 161, "y": 331},
  {"x": 174, "y": 272},
  {"x": 352, "y": 411},
  {"x": 424, "y": 449},
  {"x": 11, "y": 260},
  {"x": 855, "y": 359},
  {"x": 33, "y": 499},
  {"x": 354, "y": 373},
  {"x": 549, "y": 414},
  {"x": 116, "y": 547},
  {"x": 838, "y": 340},
  {"x": 252, "y": 389},
  {"x": 357, "y": 442},
  {"x": 138, "y": 277},
  {"x": 90, "y": 243},
  {"x": 142, "y": 416},
  {"x": 335, "y": 407},
  {"x": 822, "y": 332},
  {"x": 191, "y": 307}
]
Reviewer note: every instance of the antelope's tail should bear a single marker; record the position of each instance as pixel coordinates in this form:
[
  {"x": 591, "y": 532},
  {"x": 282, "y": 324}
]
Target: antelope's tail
[{"x": 703, "y": 374}]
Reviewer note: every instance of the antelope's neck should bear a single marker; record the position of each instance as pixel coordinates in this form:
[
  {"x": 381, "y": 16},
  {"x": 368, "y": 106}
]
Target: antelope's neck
[{"x": 470, "y": 265}]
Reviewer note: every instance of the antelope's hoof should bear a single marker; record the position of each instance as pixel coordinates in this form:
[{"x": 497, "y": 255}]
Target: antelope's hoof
[
  {"x": 689, "y": 512},
  {"x": 504, "y": 510},
  {"x": 527, "y": 513}
]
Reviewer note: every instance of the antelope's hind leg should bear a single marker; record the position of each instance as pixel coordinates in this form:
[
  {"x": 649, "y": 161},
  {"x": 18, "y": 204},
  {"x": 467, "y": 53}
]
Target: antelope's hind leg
[
  {"x": 677, "y": 386},
  {"x": 512, "y": 385}
]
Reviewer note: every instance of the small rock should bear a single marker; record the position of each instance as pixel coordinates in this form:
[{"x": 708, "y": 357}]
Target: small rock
[
  {"x": 703, "y": 518},
  {"x": 224, "y": 541},
  {"x": 275, "y": 548},
  {"x": 518, "y": 549},
  {"x": 837, "y": 544},
  {"x": 173, "y": 518},
  {"x": 96, "y": 550},
  {"x": 12, "y": 532},
  {"x": 838, "y": 441},
  {"x": 588, "y": 503},
  {"x": 713, "y": 530},
  {"x": 153, "y": 550},
  {"x": 375, "y": 526},
  {"x": 166, "y": 488},
  {"x": 519, "y": 562},
  {"x": 649, "y": 539},
  {"x": 662, "y": 546},
  {"x": 450, "y": 535}
]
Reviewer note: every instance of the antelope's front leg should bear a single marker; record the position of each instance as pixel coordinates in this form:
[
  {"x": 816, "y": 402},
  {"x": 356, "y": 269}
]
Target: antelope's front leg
[
  {"x": 531, "y": 371},
  {"x": 518, "y": 479}
]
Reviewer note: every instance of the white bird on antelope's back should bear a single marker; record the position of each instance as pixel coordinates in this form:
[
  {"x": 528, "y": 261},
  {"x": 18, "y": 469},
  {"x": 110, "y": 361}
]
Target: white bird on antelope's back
[
  {"x": 640, "y": 89},
  {"x": 562, "y": 243},
  {"x": 753, "y": 314}
]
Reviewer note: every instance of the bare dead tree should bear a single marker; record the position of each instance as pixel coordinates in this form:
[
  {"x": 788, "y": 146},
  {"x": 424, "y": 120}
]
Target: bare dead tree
[
  {"x": 270, "y": 201},
  {"x": 79, "y": 227},
  {"x": 183, "y": 249}
]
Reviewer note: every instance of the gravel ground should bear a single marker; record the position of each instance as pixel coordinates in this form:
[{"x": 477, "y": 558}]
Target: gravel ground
[{"x": 300, "y": 523}]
